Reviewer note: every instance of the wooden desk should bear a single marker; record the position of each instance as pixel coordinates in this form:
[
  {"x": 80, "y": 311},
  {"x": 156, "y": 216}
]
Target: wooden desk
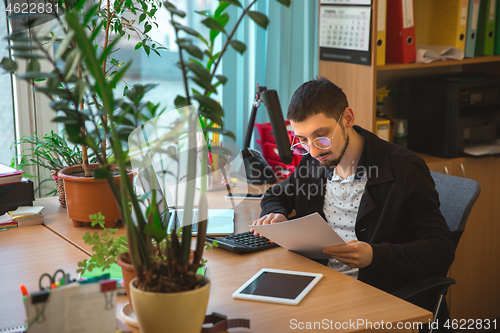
[
  {"x": 336, "y": 300},
  {"x": 57, "y": 220},
  {"x": 337, "y": 297},
  {"x": 25, "y": 254}
]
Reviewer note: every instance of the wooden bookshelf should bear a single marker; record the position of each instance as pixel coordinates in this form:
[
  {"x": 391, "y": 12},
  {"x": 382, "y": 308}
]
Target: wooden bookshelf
[
  {"x": 476, "y": 294},
  {"x": 469, "y": 61}
]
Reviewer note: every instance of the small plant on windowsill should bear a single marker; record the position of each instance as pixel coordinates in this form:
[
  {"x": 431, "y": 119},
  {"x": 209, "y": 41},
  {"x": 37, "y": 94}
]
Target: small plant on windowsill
[{"x": 51, "y": 152}]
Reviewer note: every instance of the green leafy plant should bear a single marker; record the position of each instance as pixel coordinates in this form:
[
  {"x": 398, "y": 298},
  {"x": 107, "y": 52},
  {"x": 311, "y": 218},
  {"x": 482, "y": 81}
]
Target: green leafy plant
[
  {"x": 201, "y": 67},
  {"x": 51, "y": 152},
  {"x": 160, "y": 257},
  {"x": 105, "y": 245}
]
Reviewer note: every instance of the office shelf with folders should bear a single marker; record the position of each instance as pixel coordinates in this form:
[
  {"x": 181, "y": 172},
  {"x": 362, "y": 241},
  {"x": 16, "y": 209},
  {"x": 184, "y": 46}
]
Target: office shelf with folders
[
  {"x": 360, "y": 84},
  {"x": 485, "y": 42},
  {"x": 442, "y": 22}
]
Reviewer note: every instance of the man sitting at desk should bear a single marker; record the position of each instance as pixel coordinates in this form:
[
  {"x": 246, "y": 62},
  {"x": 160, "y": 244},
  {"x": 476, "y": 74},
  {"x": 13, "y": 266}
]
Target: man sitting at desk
[{"x": 378, "y": 196}]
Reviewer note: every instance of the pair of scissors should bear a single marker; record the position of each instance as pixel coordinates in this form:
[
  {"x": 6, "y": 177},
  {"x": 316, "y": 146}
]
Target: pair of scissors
[{"x": 52, "y": 279}]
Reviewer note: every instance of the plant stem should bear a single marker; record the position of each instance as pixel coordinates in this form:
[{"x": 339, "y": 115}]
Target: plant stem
[
  {"x": 85, "y": 156},
  {"x": 106, "y": 39},
  {"x": 229, "y": 39},
  {"x": 181, "y": 59}
]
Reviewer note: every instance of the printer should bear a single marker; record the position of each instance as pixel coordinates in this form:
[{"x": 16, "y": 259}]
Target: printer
[{"x": 452, "y": 115}]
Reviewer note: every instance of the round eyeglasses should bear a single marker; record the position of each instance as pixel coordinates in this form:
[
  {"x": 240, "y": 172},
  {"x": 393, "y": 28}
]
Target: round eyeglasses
[{"x": 320, "y": 143}]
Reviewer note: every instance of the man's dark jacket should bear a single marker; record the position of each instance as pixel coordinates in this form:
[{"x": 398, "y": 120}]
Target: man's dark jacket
[{"x": 398, "y": 214}]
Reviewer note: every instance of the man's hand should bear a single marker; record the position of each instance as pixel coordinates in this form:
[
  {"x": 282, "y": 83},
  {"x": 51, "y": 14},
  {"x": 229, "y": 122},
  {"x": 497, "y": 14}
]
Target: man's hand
[
  {"x": 354, "y": 253},
  {"x": 268, "y": 219}
]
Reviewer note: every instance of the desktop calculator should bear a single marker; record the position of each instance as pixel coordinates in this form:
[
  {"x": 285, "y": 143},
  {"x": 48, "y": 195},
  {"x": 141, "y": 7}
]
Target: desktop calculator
[{"x": 244, "y": 242}]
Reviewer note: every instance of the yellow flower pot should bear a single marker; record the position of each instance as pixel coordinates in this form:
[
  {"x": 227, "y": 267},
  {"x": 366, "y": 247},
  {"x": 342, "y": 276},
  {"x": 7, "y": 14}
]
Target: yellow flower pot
[{"x": 182, "y": 312}]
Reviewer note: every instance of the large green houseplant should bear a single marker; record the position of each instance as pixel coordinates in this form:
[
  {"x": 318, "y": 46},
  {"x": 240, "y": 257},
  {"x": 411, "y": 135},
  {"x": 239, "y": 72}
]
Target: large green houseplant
[
  {"x": 86, "y": 196},
  {"x": 160, "y": 257}
]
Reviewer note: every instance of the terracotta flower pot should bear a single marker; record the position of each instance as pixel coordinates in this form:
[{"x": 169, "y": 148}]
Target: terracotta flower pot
[
  {"x": 128, "y": 272},
  {"x": 182, "y": 312},
  {"x": 86, "y": 196}
]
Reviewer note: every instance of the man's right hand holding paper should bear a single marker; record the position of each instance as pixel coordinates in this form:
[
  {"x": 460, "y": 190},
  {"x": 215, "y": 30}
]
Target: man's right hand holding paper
[{"x": 269, "y": 219}]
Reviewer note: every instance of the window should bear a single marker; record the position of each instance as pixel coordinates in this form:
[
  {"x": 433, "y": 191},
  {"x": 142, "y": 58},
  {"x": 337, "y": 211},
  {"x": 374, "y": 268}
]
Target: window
[
  {"x": 7, "y": 125},
  {"x": 153, "y": 68}
]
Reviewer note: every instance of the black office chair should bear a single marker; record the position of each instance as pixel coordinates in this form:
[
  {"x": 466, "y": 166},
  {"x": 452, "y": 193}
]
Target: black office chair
[{"x": 457, "y": 196}]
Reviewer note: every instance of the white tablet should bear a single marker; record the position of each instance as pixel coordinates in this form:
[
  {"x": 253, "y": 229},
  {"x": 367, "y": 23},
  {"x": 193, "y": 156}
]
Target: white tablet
[{"x": 278, "y": 286}]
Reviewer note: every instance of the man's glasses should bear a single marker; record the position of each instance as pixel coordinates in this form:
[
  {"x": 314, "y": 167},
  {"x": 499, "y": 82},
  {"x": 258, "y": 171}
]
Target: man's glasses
[{"x": 320, "y": 143}]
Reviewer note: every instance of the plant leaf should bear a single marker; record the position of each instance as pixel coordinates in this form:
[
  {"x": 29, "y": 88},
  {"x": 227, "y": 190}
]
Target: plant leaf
[
  {"x": 188, "y": 30},
  {"x": 27, "y": 55},
  {"x": 222, "y": 6},
  {"x": 284, "y": 2},
  {"x": 238, "y": 46},
  {"x": 8, "y": 65},
  {"x": 220, "y": 131},
  {"x": 194, "y": 51},
  {"x": 213, "y": 24},
  {"x": 200, "y": 71},
  {"x": 155, "y": 232},
  {"x": 259, "y": 18},
  {"x": 79, "y": 90},
  {"x": 209, "y": 103},
  {"x": 33, "y": 66},
  {"x": 72, "y": 61},
  {"x": 204, "y": 84},
  {"x": 233, "y": 2},
  {"x": 222, "y": 79},
  {"x": 180, "y": 101},
  {"x": 64, "y": 44},
  {"x": 101, "y": 173}
]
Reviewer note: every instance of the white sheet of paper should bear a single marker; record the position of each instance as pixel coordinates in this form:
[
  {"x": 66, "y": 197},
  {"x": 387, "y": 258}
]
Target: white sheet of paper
[
  {"x": 5, "y": 218},
  {"x": 307, "y": 236}
]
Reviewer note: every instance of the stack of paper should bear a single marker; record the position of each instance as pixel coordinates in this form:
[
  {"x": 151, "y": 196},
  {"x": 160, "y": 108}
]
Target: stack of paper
[
  {"x": 9, "y": 175},
  {"x": 27, "y": 215},
  {"x": 428, "y": 53},
  {"x": 6, "y": 222}
]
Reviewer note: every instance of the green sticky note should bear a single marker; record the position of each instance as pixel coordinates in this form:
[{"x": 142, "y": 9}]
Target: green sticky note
[
  {"x": 114, "y": 271},
  {"x": 201, "y": 270}
]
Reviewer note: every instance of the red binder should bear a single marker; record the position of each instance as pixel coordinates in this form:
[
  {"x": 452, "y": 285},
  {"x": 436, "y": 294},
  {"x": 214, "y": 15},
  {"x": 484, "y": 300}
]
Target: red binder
[{"x": 400, "y": 38}]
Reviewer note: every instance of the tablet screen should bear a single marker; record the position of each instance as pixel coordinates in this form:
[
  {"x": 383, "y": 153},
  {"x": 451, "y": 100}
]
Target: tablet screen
[{"x": 279, "y": 285}]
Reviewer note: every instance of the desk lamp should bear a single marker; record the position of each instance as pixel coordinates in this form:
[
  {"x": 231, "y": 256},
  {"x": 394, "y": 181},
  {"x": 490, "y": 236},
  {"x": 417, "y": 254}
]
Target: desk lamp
[{"x": 255, "y": 168}]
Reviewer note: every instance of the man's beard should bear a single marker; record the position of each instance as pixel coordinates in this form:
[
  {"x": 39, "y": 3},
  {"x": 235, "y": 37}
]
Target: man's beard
[{"x": 333, "y": 163}]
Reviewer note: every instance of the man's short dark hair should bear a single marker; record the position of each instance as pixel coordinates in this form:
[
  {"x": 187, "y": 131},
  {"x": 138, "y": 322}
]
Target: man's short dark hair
[{"x": 317, "y": 96}]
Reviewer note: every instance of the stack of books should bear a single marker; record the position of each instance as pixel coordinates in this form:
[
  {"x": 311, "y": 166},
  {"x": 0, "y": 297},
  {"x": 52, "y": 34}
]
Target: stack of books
[
  {"x": 9, "y": 175},
  {"x": 6, "y": 222},
  {"x": 27, "y": 215}
]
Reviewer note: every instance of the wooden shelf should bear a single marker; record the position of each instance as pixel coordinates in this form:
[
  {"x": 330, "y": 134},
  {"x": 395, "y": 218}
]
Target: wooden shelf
[{"x": 475, "y": 60}]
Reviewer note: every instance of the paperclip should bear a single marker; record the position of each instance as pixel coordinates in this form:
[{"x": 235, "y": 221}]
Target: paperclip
[{"x": 108, "y": 296}]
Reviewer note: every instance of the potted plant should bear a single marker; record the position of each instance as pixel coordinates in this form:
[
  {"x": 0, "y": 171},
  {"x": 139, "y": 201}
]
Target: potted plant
[
  {"x": 51, "y": 152},
  {"x": 110, "y": 21},
  {"x": 109, "y": 249},
  {"x": 165, "y": 274}
]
